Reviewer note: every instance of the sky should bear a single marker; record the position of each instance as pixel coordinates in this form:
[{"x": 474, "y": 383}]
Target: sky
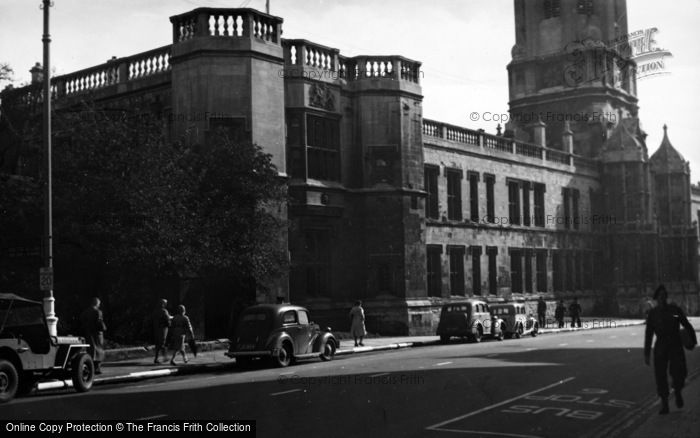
[{"x": 464, "y": 46}]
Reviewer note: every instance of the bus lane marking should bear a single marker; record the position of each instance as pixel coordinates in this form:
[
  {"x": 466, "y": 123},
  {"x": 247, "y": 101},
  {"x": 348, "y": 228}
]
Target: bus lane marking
[{"x": 438, "y": 426}]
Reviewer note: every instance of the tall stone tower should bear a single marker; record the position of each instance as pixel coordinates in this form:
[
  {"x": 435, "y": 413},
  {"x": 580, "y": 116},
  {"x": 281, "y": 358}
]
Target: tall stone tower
[
  {"x": 570, "y": 64},
  {"x": 572, "y": 74}
]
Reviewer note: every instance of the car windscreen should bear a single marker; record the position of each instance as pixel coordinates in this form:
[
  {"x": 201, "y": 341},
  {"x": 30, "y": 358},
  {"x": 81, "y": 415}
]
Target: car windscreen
[{"x": 502, "y": 310}]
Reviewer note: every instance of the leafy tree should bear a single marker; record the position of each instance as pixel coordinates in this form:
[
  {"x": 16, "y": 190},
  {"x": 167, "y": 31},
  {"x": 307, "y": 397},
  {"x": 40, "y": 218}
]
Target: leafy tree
[{"x": 132, "y": 208}]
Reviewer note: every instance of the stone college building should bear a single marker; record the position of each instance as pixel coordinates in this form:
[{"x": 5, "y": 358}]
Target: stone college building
[{"x": 407, "y": 213}]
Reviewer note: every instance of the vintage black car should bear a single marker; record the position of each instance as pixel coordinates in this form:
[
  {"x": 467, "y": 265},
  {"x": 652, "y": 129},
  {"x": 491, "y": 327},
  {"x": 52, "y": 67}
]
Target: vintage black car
[
  {"x": 28, "y": 354},
  {"x": 516, "y": 321},
  {"x": 282, "y": 332},
  {"x": 469, "y": 319}
]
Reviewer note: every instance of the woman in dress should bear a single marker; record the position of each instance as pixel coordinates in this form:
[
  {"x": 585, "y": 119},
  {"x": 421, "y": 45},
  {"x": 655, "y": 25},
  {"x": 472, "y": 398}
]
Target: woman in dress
[
  {"x": 357, "y": 326},
  {"x": 180, "y": 329}
]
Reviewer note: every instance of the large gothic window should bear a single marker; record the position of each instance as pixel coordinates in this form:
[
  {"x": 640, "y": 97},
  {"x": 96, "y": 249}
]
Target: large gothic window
[{"x": 323, "y": 141}]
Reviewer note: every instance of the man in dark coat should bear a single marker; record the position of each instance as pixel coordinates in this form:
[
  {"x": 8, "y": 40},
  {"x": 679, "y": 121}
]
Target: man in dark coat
[
  {"x": 161, "y": 323},
  {"x": 575, "y": 312},
  {"x": 93, "y": 330},
  {"x": 664, "y": 321},
  {"x": 559, "y": 313},
  {"x": 542, "y": 312}
]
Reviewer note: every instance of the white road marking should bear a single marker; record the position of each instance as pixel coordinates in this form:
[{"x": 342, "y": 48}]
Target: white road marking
[
  {"x": 380, "y": 374},
  {"x": 285, "y": 392},
  {"x": 288, "y": 372},
  {"x": 590, "y": 340},
  {"x": 505, "y": 402},
  {"x": 530, "y": 349},
  {"x": 152, "y": 417},
  {"x": 563, "y": 345},
  {"x": 442, "y": 363}
]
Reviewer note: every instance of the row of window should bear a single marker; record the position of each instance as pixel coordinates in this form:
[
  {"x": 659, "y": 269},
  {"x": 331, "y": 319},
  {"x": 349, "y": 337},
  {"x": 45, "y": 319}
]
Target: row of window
[
  {"x": 571, "y": 270},
  {"x": 519, "y": 212},
  {"x": 519, "y": 199}
]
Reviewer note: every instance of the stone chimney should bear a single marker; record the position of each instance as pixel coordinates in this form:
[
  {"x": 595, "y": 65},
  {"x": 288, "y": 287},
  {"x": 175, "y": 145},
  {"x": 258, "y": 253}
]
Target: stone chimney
[{"x": 37, "y": 73}]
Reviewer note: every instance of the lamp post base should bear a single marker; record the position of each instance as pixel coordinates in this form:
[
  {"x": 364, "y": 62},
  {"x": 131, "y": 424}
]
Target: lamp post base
[{"x": 51, "y": 319}]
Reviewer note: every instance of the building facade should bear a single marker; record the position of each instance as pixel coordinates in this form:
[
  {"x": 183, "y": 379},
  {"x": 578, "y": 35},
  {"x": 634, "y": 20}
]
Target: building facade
[{"x": 407, "y": 213}]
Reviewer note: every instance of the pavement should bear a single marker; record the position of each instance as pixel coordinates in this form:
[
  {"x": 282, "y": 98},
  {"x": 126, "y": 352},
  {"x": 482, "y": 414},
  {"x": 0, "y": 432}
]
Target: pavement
[
  {"x": 678, "y": 423},
  {"x": 135, "y": 364}
]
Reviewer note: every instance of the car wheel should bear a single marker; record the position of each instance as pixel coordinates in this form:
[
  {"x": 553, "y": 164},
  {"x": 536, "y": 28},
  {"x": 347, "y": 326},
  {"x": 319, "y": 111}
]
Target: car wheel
[
  {"x": 444, "y": 339},
  {"x": 82, "y": 372},
  {"x": 327, "y": 350},
  {"x": 284, "y": 356},
  {"x": 535, "y": 329},
  {"x": 9, "y": 381}
]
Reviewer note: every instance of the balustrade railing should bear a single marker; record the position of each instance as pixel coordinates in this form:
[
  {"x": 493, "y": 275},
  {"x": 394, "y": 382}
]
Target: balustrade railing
[
  {"x": 307, "y": 54},
  {"x": 113, "y": 72},
  {"x": 528, "y": 150},
  {"x": 432, "y": 128},
  {"x": 498, "y": 143},
  {"x": 220, "y": 22},
  {"x": 558, "y": 157},
  {"x": 462, "y": 135},
  {"x": 149, "y": 63},
  {"x": 391, "y": 67}
]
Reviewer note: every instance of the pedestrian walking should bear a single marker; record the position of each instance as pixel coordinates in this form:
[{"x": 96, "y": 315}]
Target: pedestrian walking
[
  {"x": 93, "y": 329},
  {"x": 161, "y": 323},
  {"x": 357, "y": 322},
  {"x": 542, "y": 312},
  {"x": 181, "y": 330},
  {"x": 559, "y": 313},
  {"x": 664, "y": 321},
  {"x": 575, "y": 313}
]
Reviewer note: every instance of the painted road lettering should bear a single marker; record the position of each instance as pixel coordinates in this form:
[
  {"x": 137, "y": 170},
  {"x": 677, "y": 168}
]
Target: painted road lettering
[
  {"x": 551, "y": 410},
  {"x": 578, "y": 414},
  {"x": 594, "y": 397}
]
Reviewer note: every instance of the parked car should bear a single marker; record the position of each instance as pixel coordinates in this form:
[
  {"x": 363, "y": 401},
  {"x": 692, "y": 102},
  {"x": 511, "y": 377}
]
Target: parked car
[
  {"x": 469, "y": 319},
  {"x": 282, "y": 332},
  {"x": 28, "y": 354},
  {"x": 516, "y": 321}
]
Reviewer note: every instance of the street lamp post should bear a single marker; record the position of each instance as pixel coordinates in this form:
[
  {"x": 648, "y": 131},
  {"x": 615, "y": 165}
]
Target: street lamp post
[{"x": 46, "y": 274}]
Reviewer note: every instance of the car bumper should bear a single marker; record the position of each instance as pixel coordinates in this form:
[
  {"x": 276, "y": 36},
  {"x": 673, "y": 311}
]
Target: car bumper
[{"x": 257, "y": 353}]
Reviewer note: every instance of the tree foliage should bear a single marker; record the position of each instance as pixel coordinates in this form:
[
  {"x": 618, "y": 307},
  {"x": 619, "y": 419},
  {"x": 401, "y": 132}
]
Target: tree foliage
[
  {"x": 131, "y": 206},
  {"x": 6, "y": 72}
]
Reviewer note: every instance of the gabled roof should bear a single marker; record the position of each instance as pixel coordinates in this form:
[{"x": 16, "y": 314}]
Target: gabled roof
[{"x": 667, "y": 158}]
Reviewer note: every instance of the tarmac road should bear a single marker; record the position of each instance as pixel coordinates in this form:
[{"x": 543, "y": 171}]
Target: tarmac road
[{"x": 585, "y": 383}]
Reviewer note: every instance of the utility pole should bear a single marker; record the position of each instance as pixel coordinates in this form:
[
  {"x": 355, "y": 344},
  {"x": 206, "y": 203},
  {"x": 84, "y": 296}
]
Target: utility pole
[
  {"x": 46, "y": 273},
  {"x": 267, "y": 7}
]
